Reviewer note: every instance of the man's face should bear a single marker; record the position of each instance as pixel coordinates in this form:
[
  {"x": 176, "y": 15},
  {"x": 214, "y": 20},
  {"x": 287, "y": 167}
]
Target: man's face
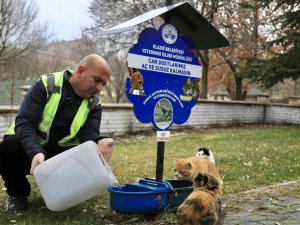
[{"x": 92, "y": 79}]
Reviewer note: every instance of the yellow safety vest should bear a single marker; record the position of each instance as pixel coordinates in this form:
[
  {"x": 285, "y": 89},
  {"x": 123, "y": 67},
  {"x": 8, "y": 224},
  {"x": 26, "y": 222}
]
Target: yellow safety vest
[{"x": 53, "y": 84}]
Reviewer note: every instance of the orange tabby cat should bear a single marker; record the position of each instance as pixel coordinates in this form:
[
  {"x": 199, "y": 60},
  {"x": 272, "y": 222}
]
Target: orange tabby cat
[
  {"x": 189, "y": 168},
  {"x": 203, "y": 205}
]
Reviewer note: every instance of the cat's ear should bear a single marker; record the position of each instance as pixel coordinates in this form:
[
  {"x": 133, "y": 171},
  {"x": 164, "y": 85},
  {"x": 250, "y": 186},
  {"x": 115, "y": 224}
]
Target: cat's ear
[
  {"x": 204, "y": 149},
  {"x": 212, "y": 182},
  {"x": 199, "y": 178},
  {"x": 188, "y": 165},
  {"x": 205, "y": 179}
]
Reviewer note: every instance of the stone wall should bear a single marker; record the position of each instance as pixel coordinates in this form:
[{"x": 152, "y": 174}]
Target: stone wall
[
  {"x": 118, "y": 119},
  {"x": 7, "y": 114},
  {"x": 220, "y": 113},
  {"x": 282, "y": 114}
]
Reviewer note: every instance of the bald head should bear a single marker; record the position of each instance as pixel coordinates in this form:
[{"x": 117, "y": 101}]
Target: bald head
[
  {"x": 93, "y": 60},
  {"x": 90, "y": 75}
]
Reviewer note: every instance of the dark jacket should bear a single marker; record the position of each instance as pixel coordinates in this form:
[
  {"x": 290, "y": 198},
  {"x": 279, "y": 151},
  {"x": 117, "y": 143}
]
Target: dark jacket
[{"x": 30, "y": 113}]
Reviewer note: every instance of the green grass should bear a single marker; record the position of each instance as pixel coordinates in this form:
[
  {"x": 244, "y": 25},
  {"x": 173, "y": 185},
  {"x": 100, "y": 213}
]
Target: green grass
[{"x": 247, "y": 157}]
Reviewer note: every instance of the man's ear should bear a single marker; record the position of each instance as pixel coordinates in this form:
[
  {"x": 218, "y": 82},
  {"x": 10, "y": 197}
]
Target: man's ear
[{"x": 80, "y": 70}]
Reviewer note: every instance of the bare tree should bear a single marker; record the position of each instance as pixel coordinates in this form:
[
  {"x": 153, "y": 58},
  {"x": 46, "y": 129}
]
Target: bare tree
[
  {"x": 209, "y": 9},
  {"x": 107, "y": 13},
  {"x": 115, "y": 88},
  {"x": 240, "y": 22},
  {"x": 18, "y": 28},
  {"x": 84, "y": 46}
]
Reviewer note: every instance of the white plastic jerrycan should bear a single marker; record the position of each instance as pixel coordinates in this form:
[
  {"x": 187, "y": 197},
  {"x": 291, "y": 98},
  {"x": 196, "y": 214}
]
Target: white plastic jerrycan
[{"x": 73, "y": 176}]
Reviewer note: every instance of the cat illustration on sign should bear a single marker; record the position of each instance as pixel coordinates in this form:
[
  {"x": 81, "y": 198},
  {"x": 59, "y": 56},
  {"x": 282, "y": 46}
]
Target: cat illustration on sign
[
  {"x": 190, "y": 90},
  {"x": 136, "y": 82}
]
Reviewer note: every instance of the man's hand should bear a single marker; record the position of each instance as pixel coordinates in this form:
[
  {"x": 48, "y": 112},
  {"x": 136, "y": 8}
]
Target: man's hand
[
  {"x": 36, "y": 160},
  {"x": 106, "y": 146}
]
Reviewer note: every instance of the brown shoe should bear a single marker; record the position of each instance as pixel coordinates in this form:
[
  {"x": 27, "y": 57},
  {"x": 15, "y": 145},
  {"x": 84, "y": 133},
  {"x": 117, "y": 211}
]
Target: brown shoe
[{"x": 16, "y": 203}]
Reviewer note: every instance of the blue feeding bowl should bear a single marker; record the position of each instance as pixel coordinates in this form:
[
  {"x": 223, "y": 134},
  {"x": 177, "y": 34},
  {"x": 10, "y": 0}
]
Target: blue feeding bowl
[{"x": 147, "y": 196}]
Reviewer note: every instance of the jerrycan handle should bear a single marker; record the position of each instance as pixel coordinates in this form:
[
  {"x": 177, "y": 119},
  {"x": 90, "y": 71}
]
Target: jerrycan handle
[
  {"x": 102, "y": 159},
  {"x": 113, "y": 180}
]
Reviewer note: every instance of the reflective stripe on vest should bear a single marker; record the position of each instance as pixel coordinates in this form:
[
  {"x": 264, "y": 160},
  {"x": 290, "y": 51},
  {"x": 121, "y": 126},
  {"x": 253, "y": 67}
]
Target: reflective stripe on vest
[
  {"x": 11, "y": 129},
  {"x": 53, "y": 84}
]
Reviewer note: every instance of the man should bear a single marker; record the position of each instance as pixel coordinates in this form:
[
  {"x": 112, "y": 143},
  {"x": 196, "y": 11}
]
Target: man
[{"x": 60, "y": 111}]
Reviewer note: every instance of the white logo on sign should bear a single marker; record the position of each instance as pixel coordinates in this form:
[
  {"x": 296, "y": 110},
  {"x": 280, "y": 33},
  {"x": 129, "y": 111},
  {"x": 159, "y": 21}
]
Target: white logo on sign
[{"x": 169, "y": 34}]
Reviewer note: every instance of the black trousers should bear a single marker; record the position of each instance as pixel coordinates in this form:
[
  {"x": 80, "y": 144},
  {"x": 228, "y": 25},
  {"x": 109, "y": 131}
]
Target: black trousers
[{"x": 14, "y": 166}]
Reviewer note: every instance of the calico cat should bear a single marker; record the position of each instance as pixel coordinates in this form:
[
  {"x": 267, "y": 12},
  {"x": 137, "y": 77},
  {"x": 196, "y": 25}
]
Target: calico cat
[
  {"x": 189, "y": 168},
  {"x": 203, "y": 205}
]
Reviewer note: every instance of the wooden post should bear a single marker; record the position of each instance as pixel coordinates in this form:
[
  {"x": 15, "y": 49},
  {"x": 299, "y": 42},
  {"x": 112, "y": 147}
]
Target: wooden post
[{"x": 160, "y": 160}]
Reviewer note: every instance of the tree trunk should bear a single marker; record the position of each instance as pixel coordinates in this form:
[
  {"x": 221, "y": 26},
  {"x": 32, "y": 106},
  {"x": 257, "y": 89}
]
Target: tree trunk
[
  {"x": 238, "y": 88},
  {"x": 204, "y": 79},
  {"x": 204, "y": 83},
  {"x": 297, "y": 87}
]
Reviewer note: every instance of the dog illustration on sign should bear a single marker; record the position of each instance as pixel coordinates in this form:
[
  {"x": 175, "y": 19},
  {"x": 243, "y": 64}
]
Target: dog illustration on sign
[{"x": 136, "y": 82}]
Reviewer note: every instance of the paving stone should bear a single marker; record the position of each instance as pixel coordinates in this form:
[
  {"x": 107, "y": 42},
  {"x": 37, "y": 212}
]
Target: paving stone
[
  {"x": 265, "y": 208},
  {"x": 257, "y": 218}
]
